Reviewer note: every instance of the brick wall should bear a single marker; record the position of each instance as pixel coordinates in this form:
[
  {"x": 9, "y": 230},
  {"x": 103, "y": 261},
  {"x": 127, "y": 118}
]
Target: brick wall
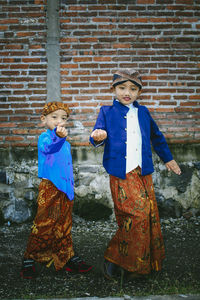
[
  {"x": 23, "y": 70},
  {"x": 159, "y": 37}
]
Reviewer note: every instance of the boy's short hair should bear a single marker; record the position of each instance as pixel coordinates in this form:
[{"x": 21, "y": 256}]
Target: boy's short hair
[
  {"x": 123, "y": 75},
  {"x": 53, "y": 106}
]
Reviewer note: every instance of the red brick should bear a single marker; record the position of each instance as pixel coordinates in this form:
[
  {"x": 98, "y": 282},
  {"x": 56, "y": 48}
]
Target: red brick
[
  {"x": 14, "y": 138},
  {"x": 145, "y": 1},
  {"x": 163, "y": 103},
  {"x": 80, "y": 85},
  {"x": 16, "y": 144},
  {"x": 194, "y": 97},
  {"x": 36, "y": 131},
  {"x": 70, "y": 92},
  {"x": 189, "y": 103},
  {"x": 80, "y": 59},
  {"x": 104, "y": 20},
  {"x": 20, "y": 131},
  {"x": 3, "y": 27},
  {"x": 160, "y": 71},
  {"x": 35, "y": 47},
  {"x": 18, "y": 119},
  {"x": 162, "y": 97},
  {"x": 165, "y": 110},
  {"x": 88, "y": 40},
  {"x": 121, "y": 45},
  {"x": 23, "y": 34},
  {"x": 183, "y": 109},
  {"x": 108, "y": 58},
  {"x": 80, "y": 72},
  {"x": 149, "y": 78},
  {"x": 89, "y": 66},
  {"x": 31, "y": 60},
  {"x": 69, "y": 66},
  {"x": 27, "y": 124}
]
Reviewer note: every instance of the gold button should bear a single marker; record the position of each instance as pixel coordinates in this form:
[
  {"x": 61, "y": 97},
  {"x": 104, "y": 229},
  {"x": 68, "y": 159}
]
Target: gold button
[
  {"x": 125, "y": 157},
  {"x": 125, "y": 142},
  {"x": 126, "y": 129},
  {"x": 125, "y": 117}
]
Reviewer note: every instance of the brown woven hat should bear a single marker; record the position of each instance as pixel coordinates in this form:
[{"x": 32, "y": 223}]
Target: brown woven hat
[
  {"x": 122, "y": 75},
  {"x": 53, "y": 106}
]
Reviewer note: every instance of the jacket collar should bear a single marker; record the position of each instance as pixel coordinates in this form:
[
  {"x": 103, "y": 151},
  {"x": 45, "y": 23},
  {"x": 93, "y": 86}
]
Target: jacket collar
[
  {"x": 123, "y": 109},
  {"x": 50, "y": 132}
]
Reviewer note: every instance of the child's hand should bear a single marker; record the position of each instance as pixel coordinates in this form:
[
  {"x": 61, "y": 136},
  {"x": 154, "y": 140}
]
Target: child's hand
[
  {"x": 99, "y": 135},
  {"x": 61, "y": 131},
  {"x": 173, "y": 166}
]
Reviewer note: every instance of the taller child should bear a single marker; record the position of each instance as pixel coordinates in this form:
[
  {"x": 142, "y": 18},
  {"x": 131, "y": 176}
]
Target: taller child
[
  {"x": 127, "y": 130},
  {"x": 50, "y": 241}
]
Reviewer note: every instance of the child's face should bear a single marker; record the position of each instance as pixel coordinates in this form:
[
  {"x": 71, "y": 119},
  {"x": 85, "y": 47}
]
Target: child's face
[
  {"x": 57, "y": 117},
  {"x": 127, "y": 92}
]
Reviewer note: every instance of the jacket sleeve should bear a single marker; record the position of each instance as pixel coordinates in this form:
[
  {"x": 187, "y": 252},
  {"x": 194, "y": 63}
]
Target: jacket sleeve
[
  {"x": 100, "y": 124},
  {"x": 159, "y": 142},
  {"x": 50, "y": 144}
]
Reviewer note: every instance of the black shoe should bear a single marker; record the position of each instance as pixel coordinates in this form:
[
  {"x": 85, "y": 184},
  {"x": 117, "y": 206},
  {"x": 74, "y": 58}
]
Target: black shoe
[
  {"x": 109, "y": 270},
  {"x": 77, "y": 265},
  {"x": 134, "y": 275},
  {"x": 28, "y": 269}
]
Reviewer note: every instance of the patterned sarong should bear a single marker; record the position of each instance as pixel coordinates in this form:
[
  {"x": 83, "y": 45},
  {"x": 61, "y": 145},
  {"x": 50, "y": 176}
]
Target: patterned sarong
[
  {"x": 50, "y": 240},
  {"x": 138, "y": 244}
]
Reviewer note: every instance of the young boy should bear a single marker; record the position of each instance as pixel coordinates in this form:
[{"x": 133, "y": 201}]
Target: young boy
[
  {"x": 127, "y": 131},
  {"x": 50, "y": 240}
]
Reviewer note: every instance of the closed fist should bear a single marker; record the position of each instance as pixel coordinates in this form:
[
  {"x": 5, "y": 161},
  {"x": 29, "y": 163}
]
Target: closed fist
[
  {"x": 61, "y": 131},
  {"x": 99, "y": 135}
]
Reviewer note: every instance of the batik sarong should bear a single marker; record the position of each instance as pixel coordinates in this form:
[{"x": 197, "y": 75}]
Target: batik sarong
[
  {"x": 138, "y": 244},
  {"x": 50, "y": 240}
]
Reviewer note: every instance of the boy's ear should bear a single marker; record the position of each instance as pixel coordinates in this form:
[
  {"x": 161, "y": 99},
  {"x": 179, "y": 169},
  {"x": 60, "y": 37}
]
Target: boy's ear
[
  {"x": 43, "y": 118},
  {"x": 112, "y": 89}
]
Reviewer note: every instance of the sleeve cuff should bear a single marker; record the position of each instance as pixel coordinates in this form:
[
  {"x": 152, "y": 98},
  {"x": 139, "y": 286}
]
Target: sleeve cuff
[
  {"x": 55, "y": 137},
  {"x": 94, "y": 144}
]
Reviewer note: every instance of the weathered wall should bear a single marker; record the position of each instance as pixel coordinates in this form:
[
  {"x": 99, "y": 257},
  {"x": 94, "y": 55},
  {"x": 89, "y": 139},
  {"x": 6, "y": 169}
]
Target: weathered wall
[
  {"x": 19, "y": 183},
  {"x": 159, "y": 37}
]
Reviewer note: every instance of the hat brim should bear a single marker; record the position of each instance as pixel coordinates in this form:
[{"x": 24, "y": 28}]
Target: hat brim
[{"x": 122, "y": 81}]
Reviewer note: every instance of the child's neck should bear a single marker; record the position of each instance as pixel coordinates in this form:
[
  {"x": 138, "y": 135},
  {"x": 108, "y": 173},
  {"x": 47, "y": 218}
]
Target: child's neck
[{"x": 127, "y": 105}]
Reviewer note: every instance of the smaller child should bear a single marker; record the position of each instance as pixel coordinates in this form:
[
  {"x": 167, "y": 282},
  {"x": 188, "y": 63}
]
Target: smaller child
[
  {"x": 50, "y": 240},
  {"x": 127, "y": 130}
]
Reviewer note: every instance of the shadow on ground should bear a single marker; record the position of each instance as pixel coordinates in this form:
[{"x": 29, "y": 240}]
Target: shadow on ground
[{"x": 180, "y": 274}]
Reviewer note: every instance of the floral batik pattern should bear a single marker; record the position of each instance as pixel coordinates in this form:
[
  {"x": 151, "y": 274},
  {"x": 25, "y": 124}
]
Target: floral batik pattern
[
  {"x": 137, "y": 246},
  {"x": 50, "y": 240}
]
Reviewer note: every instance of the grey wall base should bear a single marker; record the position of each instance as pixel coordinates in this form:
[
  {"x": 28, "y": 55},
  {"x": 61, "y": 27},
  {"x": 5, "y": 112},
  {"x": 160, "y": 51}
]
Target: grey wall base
[{"x": 176, "y": 195}]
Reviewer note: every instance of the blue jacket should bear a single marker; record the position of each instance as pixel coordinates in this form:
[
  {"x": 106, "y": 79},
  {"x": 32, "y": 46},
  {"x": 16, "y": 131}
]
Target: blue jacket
[
  {"x": 113, "y": 120},
  {"x": 55, "y": 162}
]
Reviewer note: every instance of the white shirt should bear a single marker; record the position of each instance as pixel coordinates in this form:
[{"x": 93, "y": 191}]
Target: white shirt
[{"x": 134, "y": 140}]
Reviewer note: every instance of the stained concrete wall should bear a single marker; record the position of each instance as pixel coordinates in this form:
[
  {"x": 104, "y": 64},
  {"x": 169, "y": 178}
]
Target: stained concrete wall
[{"x": 176, "y": 195}]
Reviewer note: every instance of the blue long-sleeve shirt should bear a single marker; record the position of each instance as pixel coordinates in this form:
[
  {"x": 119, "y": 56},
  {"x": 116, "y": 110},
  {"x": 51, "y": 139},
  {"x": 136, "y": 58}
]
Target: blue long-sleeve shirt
[{"x": 55, "y": 161}]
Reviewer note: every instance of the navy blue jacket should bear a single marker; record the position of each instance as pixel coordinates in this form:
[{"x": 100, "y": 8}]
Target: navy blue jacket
[{"x": 112, "y": 119}]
